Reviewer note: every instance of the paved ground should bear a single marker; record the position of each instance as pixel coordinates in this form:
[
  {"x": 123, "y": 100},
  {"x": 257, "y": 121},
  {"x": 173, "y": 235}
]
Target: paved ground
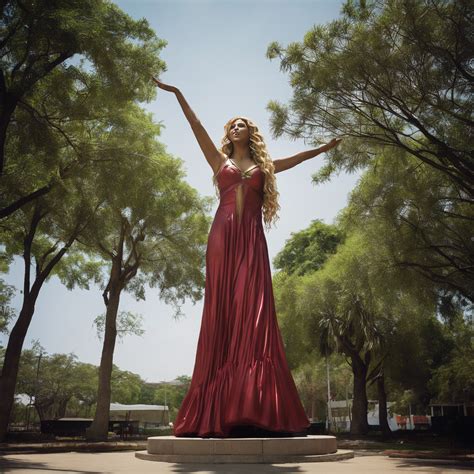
[{"x": 94, "y": 463}]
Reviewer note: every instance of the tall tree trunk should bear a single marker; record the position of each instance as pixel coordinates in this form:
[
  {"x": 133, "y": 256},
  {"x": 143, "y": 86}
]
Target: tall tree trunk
[
  {"x": 8, "y": 103},
  {"x": 383, "y": 420},
  {"x": 42, "y": 411},
  {"x": 62, "y": 407},
  {"x": 12, "y": 361},
  {"x": 359, "y": 424},
  {"x": 99, "y": 428},
  {"x": 16, "y": 339}
]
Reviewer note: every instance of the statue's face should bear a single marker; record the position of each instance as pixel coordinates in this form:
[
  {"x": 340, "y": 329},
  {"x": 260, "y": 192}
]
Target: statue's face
[{"x": 239, "y": 132}]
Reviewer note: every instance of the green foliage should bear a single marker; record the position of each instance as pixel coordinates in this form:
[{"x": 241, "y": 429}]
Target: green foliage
[
  {"x": 147, "y": 392},
  {"x": 417, "y": 347},
  {"x": 306, "y": 251},
  {"x": 173, "y": 394},
  {"x": 6, "y": 311},
  {"x": 89, "y": 194},
  {"x": 290, "y": 322},
  {"x": 393, "y": 79},
  {"x": 143, "y": 195},
  {"x": 157, "y": 432},
  {"x": 128, "y": 323},
  {"x": 419, "y": 217},
  {"x": 59, "y": 385},
  {"x": 68, "y": 69},
  {"x": 385, "y": 74},
  {"x": 366, "y": 298},
  {"x": 125, "y": 386},
  {"x": 311, "y": 381},
  {"x": 42, "y": 35},
  {"x": 453, "y": 381},
  {"x": 52, "y": 381},
  {"x": 340, "y": 302}
]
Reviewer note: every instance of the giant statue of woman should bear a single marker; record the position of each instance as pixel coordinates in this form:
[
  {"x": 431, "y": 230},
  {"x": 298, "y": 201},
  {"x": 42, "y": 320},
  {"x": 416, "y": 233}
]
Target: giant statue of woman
[{"x": 241, "y": 384}]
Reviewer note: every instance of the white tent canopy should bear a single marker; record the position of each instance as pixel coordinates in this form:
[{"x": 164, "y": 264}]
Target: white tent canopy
[
  {"x": 138, "y": 407},
  {"x": 144, "y": 414}
]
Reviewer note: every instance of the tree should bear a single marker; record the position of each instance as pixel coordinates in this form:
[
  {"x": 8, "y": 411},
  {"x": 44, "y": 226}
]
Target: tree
[
  {"x": 453, "y": 380},
  {"x": 344, "y": 313},
  {"x": 43, "y": 36},
  {"x": 151, "y": 230},
  {"x": 50, "y": 381},
  {"x": 311, "y": 381},
  {"x": 173, "y": 394},
  {"x": 304, "y": 252},
  {"x": 6, "y": 294},
  {"x": 147, "y": 393},
  {"x": 85, "y": 395},
  {"x": 152, "y": 203},
  {"x": 386, "y": 74},
  {"x": 128, "y": 323},
  {"x": 308, "y": 249},
  {"x": 330, "y": 308},
  {"x": 59, "y": 384},
  {"x": 43, "y": 232},
  {"x": 419, "y": 216},
  {"x": 416, "y": 348},
  {"x": 298, "y": 346},
  {"x": 125, "y": 386},
  {"x": 416, "y": 222}
]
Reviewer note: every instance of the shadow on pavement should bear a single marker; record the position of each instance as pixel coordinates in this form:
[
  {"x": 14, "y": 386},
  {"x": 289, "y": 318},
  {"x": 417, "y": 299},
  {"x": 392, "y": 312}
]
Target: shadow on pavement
[
  {"x": 12, "y": 465},
  {"x": 435, "y": 465},
  {"x": 236, "y": 468}
]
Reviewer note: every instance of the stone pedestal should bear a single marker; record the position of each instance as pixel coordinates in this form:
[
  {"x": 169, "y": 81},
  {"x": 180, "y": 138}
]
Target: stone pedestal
[{"x": 243, "y": 450}]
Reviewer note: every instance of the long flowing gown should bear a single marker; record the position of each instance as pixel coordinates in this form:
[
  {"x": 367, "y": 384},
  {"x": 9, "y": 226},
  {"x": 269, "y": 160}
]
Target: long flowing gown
[{"x": 241, "y": 376}]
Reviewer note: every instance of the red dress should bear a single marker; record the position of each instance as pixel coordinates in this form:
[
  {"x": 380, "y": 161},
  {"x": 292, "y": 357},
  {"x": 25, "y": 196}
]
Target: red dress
[{"x": 241, "y": 376}]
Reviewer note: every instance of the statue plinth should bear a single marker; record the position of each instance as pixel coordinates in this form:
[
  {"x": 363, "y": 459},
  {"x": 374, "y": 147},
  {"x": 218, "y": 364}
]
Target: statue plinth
[{"x": 309, "y": 448}]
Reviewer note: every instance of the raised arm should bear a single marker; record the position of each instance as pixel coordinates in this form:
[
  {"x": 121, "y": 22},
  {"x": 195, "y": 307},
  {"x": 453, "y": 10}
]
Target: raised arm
[
  {"x": 213, "y": 156},
  {"x": 283, "y": 164}
]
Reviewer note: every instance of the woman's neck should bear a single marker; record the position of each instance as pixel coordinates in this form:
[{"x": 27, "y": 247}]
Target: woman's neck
[{"x": 241, "y": 154}]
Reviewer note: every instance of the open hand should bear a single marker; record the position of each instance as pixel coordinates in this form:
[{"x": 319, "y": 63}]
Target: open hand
[
  {"x": 334, "y": 142},
  {"x": 164, "y": 86}
]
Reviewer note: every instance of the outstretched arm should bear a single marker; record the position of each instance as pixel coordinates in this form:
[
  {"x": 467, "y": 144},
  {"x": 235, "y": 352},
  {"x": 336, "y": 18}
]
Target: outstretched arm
[
  {"x": 283, "y": 164},
  {"x": 213, "y": 156}
]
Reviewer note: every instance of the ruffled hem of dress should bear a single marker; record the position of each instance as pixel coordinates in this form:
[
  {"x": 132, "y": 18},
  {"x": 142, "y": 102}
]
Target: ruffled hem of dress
[{"x": 256, "y": 394}]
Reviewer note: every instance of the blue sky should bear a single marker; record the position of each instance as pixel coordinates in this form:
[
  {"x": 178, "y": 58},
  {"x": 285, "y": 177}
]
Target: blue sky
[{"x": 216, "y": 57}]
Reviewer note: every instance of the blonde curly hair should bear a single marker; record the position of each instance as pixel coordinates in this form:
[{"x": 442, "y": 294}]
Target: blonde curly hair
[{"x": 259, "y": 154}]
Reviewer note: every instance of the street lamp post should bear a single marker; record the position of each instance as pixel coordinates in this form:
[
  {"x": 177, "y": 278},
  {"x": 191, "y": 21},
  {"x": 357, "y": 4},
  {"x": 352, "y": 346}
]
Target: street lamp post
[
  {"x": 329, "y": 419},
  {"x": 165, "y": 407}
]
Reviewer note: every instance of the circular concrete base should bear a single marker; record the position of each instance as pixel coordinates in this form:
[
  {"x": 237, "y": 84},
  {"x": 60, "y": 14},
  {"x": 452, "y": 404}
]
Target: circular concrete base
[{"x": 243, "y": 450}]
